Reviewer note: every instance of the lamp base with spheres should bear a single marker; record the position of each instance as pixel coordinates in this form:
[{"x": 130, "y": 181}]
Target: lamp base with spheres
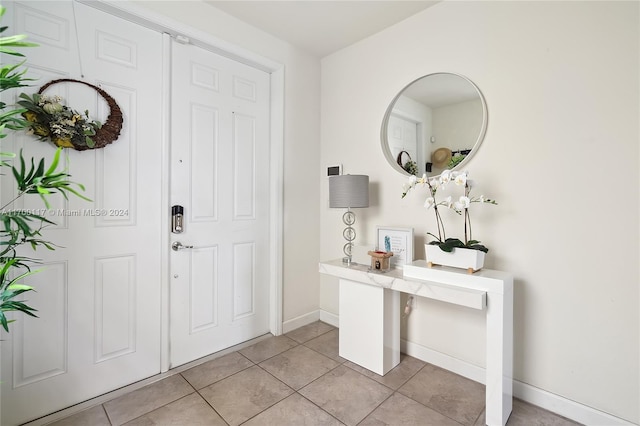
[{"x": 349, "y": 234}]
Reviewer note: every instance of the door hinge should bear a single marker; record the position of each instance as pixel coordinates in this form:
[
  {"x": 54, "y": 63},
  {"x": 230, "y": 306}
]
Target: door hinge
[{"x": 182, "y": 39}]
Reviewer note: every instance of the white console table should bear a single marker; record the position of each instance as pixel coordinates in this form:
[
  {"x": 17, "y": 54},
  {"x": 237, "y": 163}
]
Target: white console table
[{"x": 369, "y": 310}]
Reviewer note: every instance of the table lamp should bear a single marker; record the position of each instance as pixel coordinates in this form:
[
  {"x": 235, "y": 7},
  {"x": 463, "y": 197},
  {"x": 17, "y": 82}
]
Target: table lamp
[{"x": 348, "y": 191}]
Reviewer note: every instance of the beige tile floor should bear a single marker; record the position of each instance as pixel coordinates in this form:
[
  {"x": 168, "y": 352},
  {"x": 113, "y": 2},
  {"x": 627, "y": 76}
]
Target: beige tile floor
[{"x": 299, "y": 379}]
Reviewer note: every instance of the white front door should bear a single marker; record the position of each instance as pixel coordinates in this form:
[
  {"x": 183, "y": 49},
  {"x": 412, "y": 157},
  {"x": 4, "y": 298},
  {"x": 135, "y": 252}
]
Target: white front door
[
  {"x": 220, "y": 176},
  {"x": 403, "y": 136},
  {"x": 98, "y": 298}
]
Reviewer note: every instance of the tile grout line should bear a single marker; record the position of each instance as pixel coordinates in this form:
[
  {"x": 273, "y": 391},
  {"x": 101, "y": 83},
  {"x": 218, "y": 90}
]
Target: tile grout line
[
  {"x": 220, "y": 380},
  {"x": 272, "y": 356},
  {"x": 394, "y": 391},
  {"x": 277, "y": 402},
  {"x": 297, "y": 391},
  {"x": 157, "y": 408},
  {"x": 357, "y": 372},
  {"x": 106, "y": 413},
  {"x": 376, "y": 407},
  {"x": 433, "y": 409},
  {"x": 238, "y": 372},
  {"x": 212, "y": 407},
  {"x": 316, "y": 405}
]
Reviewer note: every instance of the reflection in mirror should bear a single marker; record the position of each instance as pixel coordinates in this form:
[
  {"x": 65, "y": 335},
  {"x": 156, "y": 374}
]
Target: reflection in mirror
[{"x": 435, "y": 123}]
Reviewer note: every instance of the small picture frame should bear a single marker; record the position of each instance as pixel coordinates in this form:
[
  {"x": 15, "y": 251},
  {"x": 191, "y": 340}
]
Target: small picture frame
[{"x": 397, "y": 240}]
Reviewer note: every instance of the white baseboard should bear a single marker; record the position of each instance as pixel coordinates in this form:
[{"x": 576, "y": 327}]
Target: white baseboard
[
  {"x": 547, "y": 400},
  {"x": 445, "y": 361},
  {"x": 300, "y": 321},
  {"x": 565, "y": 407},
  {"x": 329, "y": 318},
  {"x": 308, "y": 318}
]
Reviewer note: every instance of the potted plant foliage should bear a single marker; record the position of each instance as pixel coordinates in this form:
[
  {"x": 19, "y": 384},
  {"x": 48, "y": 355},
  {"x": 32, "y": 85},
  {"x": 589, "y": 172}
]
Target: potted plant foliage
[{"x": 467, "y": 254}]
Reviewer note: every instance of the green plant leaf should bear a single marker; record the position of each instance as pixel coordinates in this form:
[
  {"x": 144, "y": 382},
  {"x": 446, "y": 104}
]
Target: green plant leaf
[
  {"x": 449, "y": 244},
  {"x": 54, "y": 163},
  {"x": 479, "y": 247}
]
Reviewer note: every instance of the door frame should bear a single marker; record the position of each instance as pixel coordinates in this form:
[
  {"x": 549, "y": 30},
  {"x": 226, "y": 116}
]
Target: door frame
[{"x": 173, "y": 29}]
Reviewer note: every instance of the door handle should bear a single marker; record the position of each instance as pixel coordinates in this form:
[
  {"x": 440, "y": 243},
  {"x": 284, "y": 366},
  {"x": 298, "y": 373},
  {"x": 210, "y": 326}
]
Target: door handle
[{"x": 176, "y": 246}]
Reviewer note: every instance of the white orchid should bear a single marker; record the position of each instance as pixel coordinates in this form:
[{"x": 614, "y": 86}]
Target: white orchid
[
  {"x": 462, "y": 203},
  {"x": 448, "y": 202},
  {"x": 429, "y": 202},
  {"x": 461, "y": 206},
  {"x": 410, "y": 184},
  {"x": 461, "y": 178},
  {"x": 445, "y": 177}
]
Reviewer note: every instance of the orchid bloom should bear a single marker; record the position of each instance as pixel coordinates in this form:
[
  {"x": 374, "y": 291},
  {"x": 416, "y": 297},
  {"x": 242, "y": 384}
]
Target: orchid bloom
[
  {"x": 463, "y": 203},
  {"x": 445, "y": 177},
  {"x": 411, "y": 183},
  {"x": 461, "y": 179},
  {"x": 429, "y": 202},
  {"x": 448, "y": 202}
]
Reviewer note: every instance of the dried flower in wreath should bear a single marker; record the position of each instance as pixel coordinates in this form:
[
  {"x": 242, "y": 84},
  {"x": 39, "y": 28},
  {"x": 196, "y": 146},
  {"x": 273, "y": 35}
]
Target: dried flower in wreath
[
  {"x": 409, "y": 166},
  {"x": 49, "y": 119}
]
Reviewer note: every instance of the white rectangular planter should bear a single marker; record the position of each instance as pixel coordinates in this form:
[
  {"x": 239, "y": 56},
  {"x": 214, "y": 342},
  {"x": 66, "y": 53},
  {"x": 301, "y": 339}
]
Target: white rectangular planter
[{"x": 464, "y": 258}]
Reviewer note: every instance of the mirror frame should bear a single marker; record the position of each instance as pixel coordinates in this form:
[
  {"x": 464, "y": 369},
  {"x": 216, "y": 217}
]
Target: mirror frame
[{"x": 385, "y": 123}]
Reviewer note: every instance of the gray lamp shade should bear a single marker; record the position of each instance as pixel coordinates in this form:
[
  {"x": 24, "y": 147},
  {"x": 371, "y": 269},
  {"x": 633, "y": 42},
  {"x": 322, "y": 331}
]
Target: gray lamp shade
[{"x": 349, "y": 191}]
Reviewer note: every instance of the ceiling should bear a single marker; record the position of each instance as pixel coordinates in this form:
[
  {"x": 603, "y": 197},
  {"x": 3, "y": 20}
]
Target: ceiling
[{"x": 322, "y": 27}]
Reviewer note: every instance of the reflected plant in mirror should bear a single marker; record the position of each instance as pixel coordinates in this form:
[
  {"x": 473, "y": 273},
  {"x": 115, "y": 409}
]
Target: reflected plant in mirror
[
  {"x": 435, "y": 123},
  {"x": 461, "y": 207}
]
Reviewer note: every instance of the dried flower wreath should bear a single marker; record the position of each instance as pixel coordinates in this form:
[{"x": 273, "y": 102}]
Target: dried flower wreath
[{"x": 49, "y": 119}]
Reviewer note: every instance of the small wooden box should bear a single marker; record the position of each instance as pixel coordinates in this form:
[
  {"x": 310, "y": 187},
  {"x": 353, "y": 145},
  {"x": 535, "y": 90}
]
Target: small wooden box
[{"x": 380, "y": 260}]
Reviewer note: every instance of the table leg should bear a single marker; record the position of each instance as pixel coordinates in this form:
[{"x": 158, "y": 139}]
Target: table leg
[
  {"x": 499, "y": 381},
  {"x": 369, "y": 326}
]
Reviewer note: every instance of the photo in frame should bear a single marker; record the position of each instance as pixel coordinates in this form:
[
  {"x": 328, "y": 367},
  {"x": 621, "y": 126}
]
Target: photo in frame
[{"x": 397, "y": 240}]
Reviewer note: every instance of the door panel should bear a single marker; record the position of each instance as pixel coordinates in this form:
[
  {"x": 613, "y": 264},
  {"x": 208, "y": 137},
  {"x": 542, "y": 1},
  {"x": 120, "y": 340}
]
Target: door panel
[
  {"x": 403, "y": 136},
  {"x": 98, "y": 295},
  {"x": 220, "y": 169}
]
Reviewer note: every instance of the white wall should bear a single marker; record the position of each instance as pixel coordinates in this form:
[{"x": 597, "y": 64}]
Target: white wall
[
  {"x": 301, "y": 142},
  {"x": 561, "y": 157},
  {"x": 457, "y": 126}
]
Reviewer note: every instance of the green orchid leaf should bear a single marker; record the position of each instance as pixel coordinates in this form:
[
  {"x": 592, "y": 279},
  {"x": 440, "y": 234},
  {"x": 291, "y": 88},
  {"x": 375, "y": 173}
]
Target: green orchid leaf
[{"x": 479, "y": 247}]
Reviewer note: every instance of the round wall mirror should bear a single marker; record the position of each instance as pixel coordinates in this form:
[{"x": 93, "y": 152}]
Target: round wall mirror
[{"x": 435, "y": 123}]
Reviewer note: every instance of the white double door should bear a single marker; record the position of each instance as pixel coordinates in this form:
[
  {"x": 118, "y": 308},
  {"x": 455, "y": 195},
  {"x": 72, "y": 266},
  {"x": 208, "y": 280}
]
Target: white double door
[{"x": 99, "y": 296}]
